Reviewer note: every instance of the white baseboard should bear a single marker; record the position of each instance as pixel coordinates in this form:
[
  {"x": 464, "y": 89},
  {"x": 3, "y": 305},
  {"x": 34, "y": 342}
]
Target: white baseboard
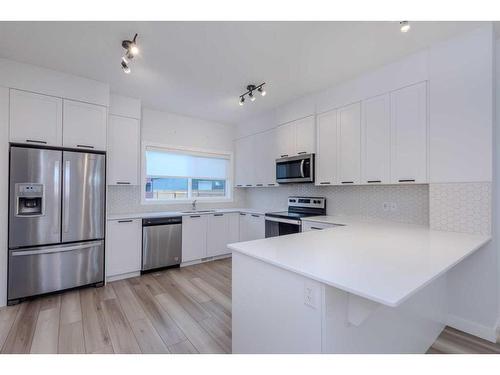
[
  {"x": 473, "y": 328},
  {"x": 204, "y": 260},
  {"x": 122, "y": 276}
]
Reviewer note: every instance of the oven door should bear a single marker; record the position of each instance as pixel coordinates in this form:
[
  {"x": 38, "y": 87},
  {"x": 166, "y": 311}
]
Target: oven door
[
  {"x": 295, "y": 169},
  {"x": 280, "y": 227}
]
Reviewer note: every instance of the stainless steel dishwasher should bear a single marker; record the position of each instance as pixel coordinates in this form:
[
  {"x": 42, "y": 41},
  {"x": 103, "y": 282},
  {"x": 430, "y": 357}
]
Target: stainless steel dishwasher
[{"x": 161, "y": 242}]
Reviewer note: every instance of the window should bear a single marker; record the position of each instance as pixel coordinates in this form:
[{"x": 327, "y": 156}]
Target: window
[{"x": 175, "y": 175}]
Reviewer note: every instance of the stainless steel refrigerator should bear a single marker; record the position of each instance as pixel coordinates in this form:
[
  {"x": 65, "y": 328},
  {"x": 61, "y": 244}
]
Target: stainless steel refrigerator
[{"x": 56, "y": 220}]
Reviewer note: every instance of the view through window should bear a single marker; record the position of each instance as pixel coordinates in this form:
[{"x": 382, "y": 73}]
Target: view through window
[{"x": 178, "y": 175}]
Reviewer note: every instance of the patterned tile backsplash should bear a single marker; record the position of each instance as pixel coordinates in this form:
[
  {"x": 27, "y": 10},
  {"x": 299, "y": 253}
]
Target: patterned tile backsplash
[
  {"x": 461, "y": 207},
  {"x": 127, "y": 199},
  {"x": 457, "y": 207}
]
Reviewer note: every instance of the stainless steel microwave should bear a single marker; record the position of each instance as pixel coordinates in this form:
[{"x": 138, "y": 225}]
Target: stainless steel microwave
[{"x": 298, "y": 168}]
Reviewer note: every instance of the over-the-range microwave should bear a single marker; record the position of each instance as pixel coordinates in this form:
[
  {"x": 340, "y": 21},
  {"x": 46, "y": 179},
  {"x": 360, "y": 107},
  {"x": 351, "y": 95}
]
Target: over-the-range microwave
[{"x": 295, "y": 169}]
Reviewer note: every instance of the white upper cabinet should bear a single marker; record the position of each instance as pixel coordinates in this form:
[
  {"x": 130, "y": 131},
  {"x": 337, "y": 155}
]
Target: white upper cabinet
[
  {"x": 244, "y": 163},
  {"x": 305, "y": 136},
  {"x": 285, "y": 141},
  {"x": 409, "y": 134},
  {"x": 376, "y": 140},
  {"x": 263, "y": 159},
  {"x": 326, "y": 157},
  {"x": 84, "y": 125},
  {"x": 296, "y": 137},
  {"x": 349, "y": 144},
  {"x": 35, "y": 118},
  {"x": 123, "y": 150}
]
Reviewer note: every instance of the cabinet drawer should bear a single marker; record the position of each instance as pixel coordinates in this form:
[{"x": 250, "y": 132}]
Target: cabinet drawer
[{"x": 311, "y": 225}]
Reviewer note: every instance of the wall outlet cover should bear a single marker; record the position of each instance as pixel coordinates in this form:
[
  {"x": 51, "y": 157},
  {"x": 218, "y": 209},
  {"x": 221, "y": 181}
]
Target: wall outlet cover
[{"x": 311, "y": 297}]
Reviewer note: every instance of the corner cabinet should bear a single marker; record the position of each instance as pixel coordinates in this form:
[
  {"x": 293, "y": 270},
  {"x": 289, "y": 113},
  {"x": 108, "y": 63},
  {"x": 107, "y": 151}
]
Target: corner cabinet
[
  {"x": 123, "y": 247},
  {"x": 84, "y": 125},
  {"x": 409, "y": 134},
  {"x": 35, "y": 119},
  {"x": 123, "y": 150}
]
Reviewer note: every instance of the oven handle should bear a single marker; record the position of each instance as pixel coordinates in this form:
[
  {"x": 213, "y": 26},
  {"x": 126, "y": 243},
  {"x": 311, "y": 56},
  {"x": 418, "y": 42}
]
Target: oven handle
[
  {"x": 302, "y": 174},
  {"x": 282, "y": 220}
]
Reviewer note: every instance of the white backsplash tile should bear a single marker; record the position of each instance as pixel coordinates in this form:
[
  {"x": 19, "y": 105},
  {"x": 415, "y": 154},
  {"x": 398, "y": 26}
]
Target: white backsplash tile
[
  {"x": 127, "y": 200},
  {"x": 412, "y": 201},
  {"x": 461, "y": 207}
]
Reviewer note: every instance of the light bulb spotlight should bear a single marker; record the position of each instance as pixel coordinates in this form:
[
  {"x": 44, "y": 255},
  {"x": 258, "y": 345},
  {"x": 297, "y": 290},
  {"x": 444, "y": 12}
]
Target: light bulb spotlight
[
  {"x": 242, "y": 100},
  {"x": 404, "y": 26},
  {"x": 251, "y": 89},
  {"x": 131, "y": 47},
  {"x": 125, "y": 67},
  {"x": 262, "y": 91}
]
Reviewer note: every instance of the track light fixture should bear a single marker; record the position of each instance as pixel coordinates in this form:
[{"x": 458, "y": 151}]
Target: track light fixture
[
  {"x": 131, "y": 50},
  {"x": 250, "y": 92},
  {"x": 404, "y": 26}
]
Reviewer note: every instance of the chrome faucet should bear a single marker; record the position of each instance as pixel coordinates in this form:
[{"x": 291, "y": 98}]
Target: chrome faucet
[{"x": 193, "y": 205}]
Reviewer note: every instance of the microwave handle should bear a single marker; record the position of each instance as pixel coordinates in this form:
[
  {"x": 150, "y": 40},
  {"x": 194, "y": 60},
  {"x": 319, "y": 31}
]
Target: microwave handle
[{"x": 302, "y": 168}]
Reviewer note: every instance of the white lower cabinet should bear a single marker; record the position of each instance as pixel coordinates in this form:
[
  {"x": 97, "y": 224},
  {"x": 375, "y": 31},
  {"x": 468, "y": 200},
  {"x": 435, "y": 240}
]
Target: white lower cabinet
[
  {"x": 123, "y": 247},
  {"x": 222, "y": 229},
  {"x": 252, "y": 227},
  {"x": 194, "y": 237},
  {"x": 308, "y": 226},
  {"x": 208, "y": 235}
]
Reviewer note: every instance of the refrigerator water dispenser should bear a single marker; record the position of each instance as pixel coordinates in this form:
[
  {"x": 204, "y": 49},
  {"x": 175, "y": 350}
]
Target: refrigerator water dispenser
[{"x": 30, "y": 201}]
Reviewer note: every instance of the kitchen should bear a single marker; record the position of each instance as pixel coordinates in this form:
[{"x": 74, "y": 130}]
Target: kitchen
[{"x": 342, "y": 211}]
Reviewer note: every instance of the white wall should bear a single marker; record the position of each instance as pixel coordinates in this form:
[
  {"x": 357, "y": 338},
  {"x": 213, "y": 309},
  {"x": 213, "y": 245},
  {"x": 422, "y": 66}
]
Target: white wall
[
  {"x": 4, "y": 173},
  {"x": 461, "y": 103},
  {"x": 174, "y": 130},
  {"x": 50, "y": 82}
]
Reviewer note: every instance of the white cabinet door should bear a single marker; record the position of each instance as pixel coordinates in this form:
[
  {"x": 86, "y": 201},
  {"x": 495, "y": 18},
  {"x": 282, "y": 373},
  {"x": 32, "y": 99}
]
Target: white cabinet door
[
  {"x": 194, "y": 237},
  {"x": 260, "y": 158},
  {"x": 285, "y": 141},
  {"x": 217, "y": 234},
  {"x": 308, "y": 226},
  {"x": 376, "y": 140},
  {"x": 244, "y": 164},
  {"x": 123, "y": 247},
  {"x": 123, "y": 150},
  {"x": 269, "y": 151},
  {"x": 245, "y": 227},
  {"x": 305, "y": 135},
  {"x": 84, "y": 125},
  {"x": 326, "y": 156},
  {"x": 349, "y": 144},
  {"x": 234, "y": 228},
  {"x": 35, "y": 118},
  {"x": 409, "y": 134},
  {"x": 257, "y": 226}
]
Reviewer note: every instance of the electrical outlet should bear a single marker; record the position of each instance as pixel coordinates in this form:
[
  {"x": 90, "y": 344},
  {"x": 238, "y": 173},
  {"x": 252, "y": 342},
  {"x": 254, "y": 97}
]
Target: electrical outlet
[
  {"x": 386, "y": 206},
  {"x": 394, "y": 206},
  {"x": 310, "y": 294}
]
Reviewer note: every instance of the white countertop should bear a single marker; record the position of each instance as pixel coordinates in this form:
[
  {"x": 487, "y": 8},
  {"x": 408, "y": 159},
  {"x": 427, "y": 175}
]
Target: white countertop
[
  {"x": 144, "y": 215},
  {"x": 382, "y": 261}
]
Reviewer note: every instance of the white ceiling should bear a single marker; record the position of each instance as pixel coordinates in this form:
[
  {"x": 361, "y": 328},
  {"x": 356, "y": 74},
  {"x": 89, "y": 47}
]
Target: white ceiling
[{"x": 200, "y": 68}]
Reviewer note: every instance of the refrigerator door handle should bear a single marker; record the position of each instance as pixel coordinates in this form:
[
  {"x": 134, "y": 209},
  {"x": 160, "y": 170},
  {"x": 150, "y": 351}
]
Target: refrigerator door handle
[
  {"x": 67, "y": 183},
  {"x": 57, "y": 192},
  {"x": 56, "y": 249}
]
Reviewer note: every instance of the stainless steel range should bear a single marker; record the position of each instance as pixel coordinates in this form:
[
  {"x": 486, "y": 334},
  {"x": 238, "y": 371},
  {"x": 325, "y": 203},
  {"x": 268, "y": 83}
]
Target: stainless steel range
[
  {"x": 288, "y": 222},
  {"x": 56, "y": 220}
]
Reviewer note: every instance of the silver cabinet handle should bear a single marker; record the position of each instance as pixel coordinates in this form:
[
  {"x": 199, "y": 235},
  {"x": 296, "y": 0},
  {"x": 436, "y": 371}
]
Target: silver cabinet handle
[
  {"x": 122, "y": 183},
  {"x": 124, "y": 221},
  {"x": 316, "y": 228},
  {"x": 374, "y": 181},
  {"x": 255, "y": 215},
  {"x": 67, "y": 183},
  {"x": 407, "y": 180},
  {"x": 325, "y": 183},
  {"x": 85, "y": 146},
  {"x": 302, "y": 167},
  {"x": 218, "y": 214},
  {"x": 55, "y": 250}
]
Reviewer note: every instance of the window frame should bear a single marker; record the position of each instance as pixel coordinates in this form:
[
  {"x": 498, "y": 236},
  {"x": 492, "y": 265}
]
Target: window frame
[{"x": 191, "y": 151}]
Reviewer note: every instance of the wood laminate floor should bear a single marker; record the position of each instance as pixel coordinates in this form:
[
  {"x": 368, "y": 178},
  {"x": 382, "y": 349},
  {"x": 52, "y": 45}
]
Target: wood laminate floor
[{"x": 186, "y": 310}]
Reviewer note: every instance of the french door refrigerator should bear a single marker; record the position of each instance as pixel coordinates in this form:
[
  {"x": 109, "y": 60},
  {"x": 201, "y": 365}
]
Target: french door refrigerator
[{"x": 56, "y": 220}]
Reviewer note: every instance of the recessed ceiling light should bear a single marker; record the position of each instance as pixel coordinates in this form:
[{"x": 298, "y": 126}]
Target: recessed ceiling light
[{"x": 404, "y": 26}]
